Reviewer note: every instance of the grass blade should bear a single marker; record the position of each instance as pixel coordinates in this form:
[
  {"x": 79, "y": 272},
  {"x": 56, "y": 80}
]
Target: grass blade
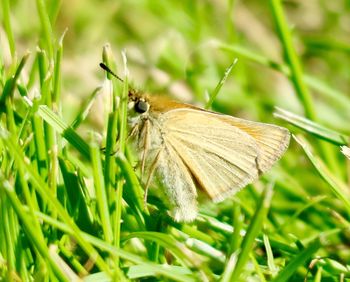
[
  {"x": 297, "y": 261},
  {"x": 252, "y": 232},
  {"x": 311, "y": 127},
  {"x": 220, "y": 84},
  {"x": 8, "y": 27},
  {"x": 339, "y": 188},
  {"x": 292, "y": 59},
  {"x": 101, "y": 196},
  {"x": 67, "y": 132}
]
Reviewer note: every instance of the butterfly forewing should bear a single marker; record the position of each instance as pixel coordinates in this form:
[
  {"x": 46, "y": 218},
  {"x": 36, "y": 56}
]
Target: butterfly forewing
[
  {"x": 272, "y": 140},
  {"x": 221, "y": 157}
]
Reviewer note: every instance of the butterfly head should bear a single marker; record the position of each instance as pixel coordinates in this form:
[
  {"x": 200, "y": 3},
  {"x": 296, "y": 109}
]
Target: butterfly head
[{"x": 138, "y": 104}]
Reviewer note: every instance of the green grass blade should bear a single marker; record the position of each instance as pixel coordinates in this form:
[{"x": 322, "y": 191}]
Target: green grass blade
[
  {"x": 270, "y": 258},
  {"x": 11, "y": 83},
  {"x": 143, "y": 271},
  {"x": 66, "y": 131},
  {"x": 220, "y": 84},
  {"x": 6, "y": 15},
  {"x": 122, "y": 145},
  {"x": 311, "y": 127},
  {"x": 78, "y": 203},
  {"x": 292, "y": 59},
  {"x": 299, "y": 260},
  {"x": 134, "y": 193},
  {"x": 230, "y": 267},
  {"x": 101, "y": 196},
  {"x": 236, "y": 238},
  {"x": 45, "y": 26},
  {"x": 185, "y": 256},
  {"x": 252, "y": 232},
  {"x": 85, "y": 108},
  {"x": 56, "y": 93},
  {"x": 206, "y": 250},
  {"x": 339, "y": 188},
  {"x": 39, "y": 139}
]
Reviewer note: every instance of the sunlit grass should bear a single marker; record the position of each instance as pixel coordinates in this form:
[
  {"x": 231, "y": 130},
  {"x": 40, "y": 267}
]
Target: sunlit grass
[{"x": 69, "y": 209}]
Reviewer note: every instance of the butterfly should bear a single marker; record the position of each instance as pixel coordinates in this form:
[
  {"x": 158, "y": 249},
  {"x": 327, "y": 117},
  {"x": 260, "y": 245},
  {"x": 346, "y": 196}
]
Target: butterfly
[{"x": 187, "y": 148}]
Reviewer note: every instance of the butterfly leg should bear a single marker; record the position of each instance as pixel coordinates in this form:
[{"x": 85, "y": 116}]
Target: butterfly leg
[
  {"x": 131, "y": 134},
  {"x": 133, "y": 131},
  {"x": 145, "y": 145},
  {"x": 150, "y": 176}
]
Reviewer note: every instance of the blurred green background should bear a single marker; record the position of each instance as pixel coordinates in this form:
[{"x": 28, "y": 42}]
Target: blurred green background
[{"x": 177, "y": 47}]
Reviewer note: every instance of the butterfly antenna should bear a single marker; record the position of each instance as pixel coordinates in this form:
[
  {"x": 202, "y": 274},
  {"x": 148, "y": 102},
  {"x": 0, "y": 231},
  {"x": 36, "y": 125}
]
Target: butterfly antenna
[
  {"x": 132, "y": 91},
  {"x": 107, "y": 69}
]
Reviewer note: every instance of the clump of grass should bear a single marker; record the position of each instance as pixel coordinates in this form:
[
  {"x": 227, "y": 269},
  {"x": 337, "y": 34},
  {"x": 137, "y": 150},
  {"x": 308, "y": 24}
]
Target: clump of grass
[{"x": 70, "y": 211}]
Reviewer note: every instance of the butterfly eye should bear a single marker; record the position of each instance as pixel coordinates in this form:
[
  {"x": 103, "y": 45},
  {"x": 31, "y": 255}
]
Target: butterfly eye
[{"x": 141, "y": 107}]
